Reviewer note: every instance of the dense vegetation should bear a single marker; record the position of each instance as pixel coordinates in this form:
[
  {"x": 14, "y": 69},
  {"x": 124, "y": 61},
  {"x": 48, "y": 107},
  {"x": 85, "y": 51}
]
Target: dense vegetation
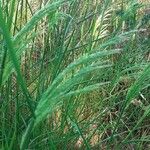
[{"x": 74, "y": 74}]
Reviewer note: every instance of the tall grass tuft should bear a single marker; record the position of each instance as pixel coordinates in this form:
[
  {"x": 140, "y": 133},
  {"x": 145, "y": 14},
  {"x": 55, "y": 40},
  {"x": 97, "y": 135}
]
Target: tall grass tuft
[{"x": 74, "y": 74}]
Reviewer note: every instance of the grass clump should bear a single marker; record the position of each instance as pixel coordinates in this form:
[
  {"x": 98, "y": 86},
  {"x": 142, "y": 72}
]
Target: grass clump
[{"x": 74, "y": 74}]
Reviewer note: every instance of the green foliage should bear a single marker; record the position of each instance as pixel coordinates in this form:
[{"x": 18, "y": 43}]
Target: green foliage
[{"x": 74, "y": 73}]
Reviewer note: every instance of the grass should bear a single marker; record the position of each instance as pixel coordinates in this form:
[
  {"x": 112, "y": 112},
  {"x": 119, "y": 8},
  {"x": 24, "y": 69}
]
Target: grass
[{"x": 74, "y": 74}]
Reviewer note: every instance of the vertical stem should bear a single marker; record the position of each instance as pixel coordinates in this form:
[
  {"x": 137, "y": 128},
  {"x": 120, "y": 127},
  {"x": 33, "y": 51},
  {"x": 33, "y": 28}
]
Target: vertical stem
[{"x": 26, "y": 137}]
